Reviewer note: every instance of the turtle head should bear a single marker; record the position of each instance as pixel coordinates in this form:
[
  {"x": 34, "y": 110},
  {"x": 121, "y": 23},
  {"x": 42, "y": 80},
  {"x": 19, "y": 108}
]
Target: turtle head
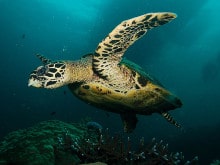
[{"x": 51, "y": 75}]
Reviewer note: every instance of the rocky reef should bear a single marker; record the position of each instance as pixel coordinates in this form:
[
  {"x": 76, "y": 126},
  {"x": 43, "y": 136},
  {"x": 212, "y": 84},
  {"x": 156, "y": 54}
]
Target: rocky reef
[{"x": 58, "y": 143}]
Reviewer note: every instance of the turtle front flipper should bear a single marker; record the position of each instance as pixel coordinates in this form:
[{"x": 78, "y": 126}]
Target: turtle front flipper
[
  {"x": 129, "y": 120},
  {"x": 111, "y": 49},
  {"x": 43, "y": 59}
]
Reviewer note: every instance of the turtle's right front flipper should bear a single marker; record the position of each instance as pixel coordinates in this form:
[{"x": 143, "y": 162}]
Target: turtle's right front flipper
[{"x": 111, "y": 49}]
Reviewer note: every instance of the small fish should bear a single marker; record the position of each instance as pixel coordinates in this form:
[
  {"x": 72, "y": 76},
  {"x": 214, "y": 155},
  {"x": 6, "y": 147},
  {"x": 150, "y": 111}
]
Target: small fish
[
  {"x": 53, "y": 113},
  {"x": 23, "y": 36},
  {"x": 92, "y": 125}
]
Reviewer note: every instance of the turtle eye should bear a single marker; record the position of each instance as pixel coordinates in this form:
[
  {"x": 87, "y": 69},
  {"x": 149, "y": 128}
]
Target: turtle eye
[{"x": 42, "y": 70}]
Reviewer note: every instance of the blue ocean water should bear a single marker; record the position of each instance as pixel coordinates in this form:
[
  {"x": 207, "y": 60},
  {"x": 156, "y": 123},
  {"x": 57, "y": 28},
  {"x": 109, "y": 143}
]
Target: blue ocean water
[{"x": 184, "y": 55}]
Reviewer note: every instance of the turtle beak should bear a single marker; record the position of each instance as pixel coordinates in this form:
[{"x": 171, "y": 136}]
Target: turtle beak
[{"x": 34, "y": 83}]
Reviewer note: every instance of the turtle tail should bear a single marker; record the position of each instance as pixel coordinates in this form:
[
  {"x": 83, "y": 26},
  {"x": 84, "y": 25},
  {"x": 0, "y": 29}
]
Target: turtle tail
[{"x": 170, "y": 119}]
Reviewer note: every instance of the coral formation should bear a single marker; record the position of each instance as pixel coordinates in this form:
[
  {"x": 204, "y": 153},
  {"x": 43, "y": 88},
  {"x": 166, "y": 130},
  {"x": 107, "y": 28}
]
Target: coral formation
[
  {"x": 215, "y": 162},
  {"x": 37, "y": 145},
  {"x": 58, "y": 143},
  {"x": 113, "y": 150}
]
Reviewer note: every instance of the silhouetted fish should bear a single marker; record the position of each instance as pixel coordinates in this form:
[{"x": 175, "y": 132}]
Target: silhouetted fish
[
  {"x": 94, "y": 126},
  {"x": 53, "y": 113},
  {"x": 23, "y": 36}
]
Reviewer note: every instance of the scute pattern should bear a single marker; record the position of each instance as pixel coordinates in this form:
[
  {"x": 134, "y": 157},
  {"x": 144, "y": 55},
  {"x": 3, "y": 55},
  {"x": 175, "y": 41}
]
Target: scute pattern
[
  {"x": 55, "y": 71},
  {"x": 111, "y": 49},
  {"x": 48, "y": 74}
]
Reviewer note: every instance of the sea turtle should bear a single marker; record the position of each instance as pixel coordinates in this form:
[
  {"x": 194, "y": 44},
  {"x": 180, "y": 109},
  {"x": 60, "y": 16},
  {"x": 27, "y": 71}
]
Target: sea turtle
[{"x": 108, "y": 81}]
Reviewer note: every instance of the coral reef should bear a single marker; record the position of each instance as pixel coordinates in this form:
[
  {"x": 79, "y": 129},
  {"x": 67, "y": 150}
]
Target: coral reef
[
  {"x": 58, "y": 143},
  {"x": 97, "y": 163},
  {"x": 115, "y": 151},
  {"x": 215, "y": 162},
  {"x": 37, "y": 145}
]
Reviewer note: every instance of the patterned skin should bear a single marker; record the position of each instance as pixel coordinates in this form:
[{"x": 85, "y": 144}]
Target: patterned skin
[{"x": 106, "y": 80}]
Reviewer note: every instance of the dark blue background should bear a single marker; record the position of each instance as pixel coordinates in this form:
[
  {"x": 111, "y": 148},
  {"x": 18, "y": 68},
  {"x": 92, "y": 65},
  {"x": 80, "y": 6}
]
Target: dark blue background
[{"x": 184, "y": 55}]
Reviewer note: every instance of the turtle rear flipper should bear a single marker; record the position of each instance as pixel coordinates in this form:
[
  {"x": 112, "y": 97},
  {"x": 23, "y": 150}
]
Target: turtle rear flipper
[
  {"x": 109, "y": 52},
  {"x": 170, "y": 119}
]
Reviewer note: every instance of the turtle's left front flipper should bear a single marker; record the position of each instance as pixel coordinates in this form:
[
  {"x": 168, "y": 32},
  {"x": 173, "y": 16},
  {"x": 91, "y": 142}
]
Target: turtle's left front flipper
[
  {"x": 111, "y": 49},
  {"x": 43, "y": 59},
  {"x": 129, "y": 120}
]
